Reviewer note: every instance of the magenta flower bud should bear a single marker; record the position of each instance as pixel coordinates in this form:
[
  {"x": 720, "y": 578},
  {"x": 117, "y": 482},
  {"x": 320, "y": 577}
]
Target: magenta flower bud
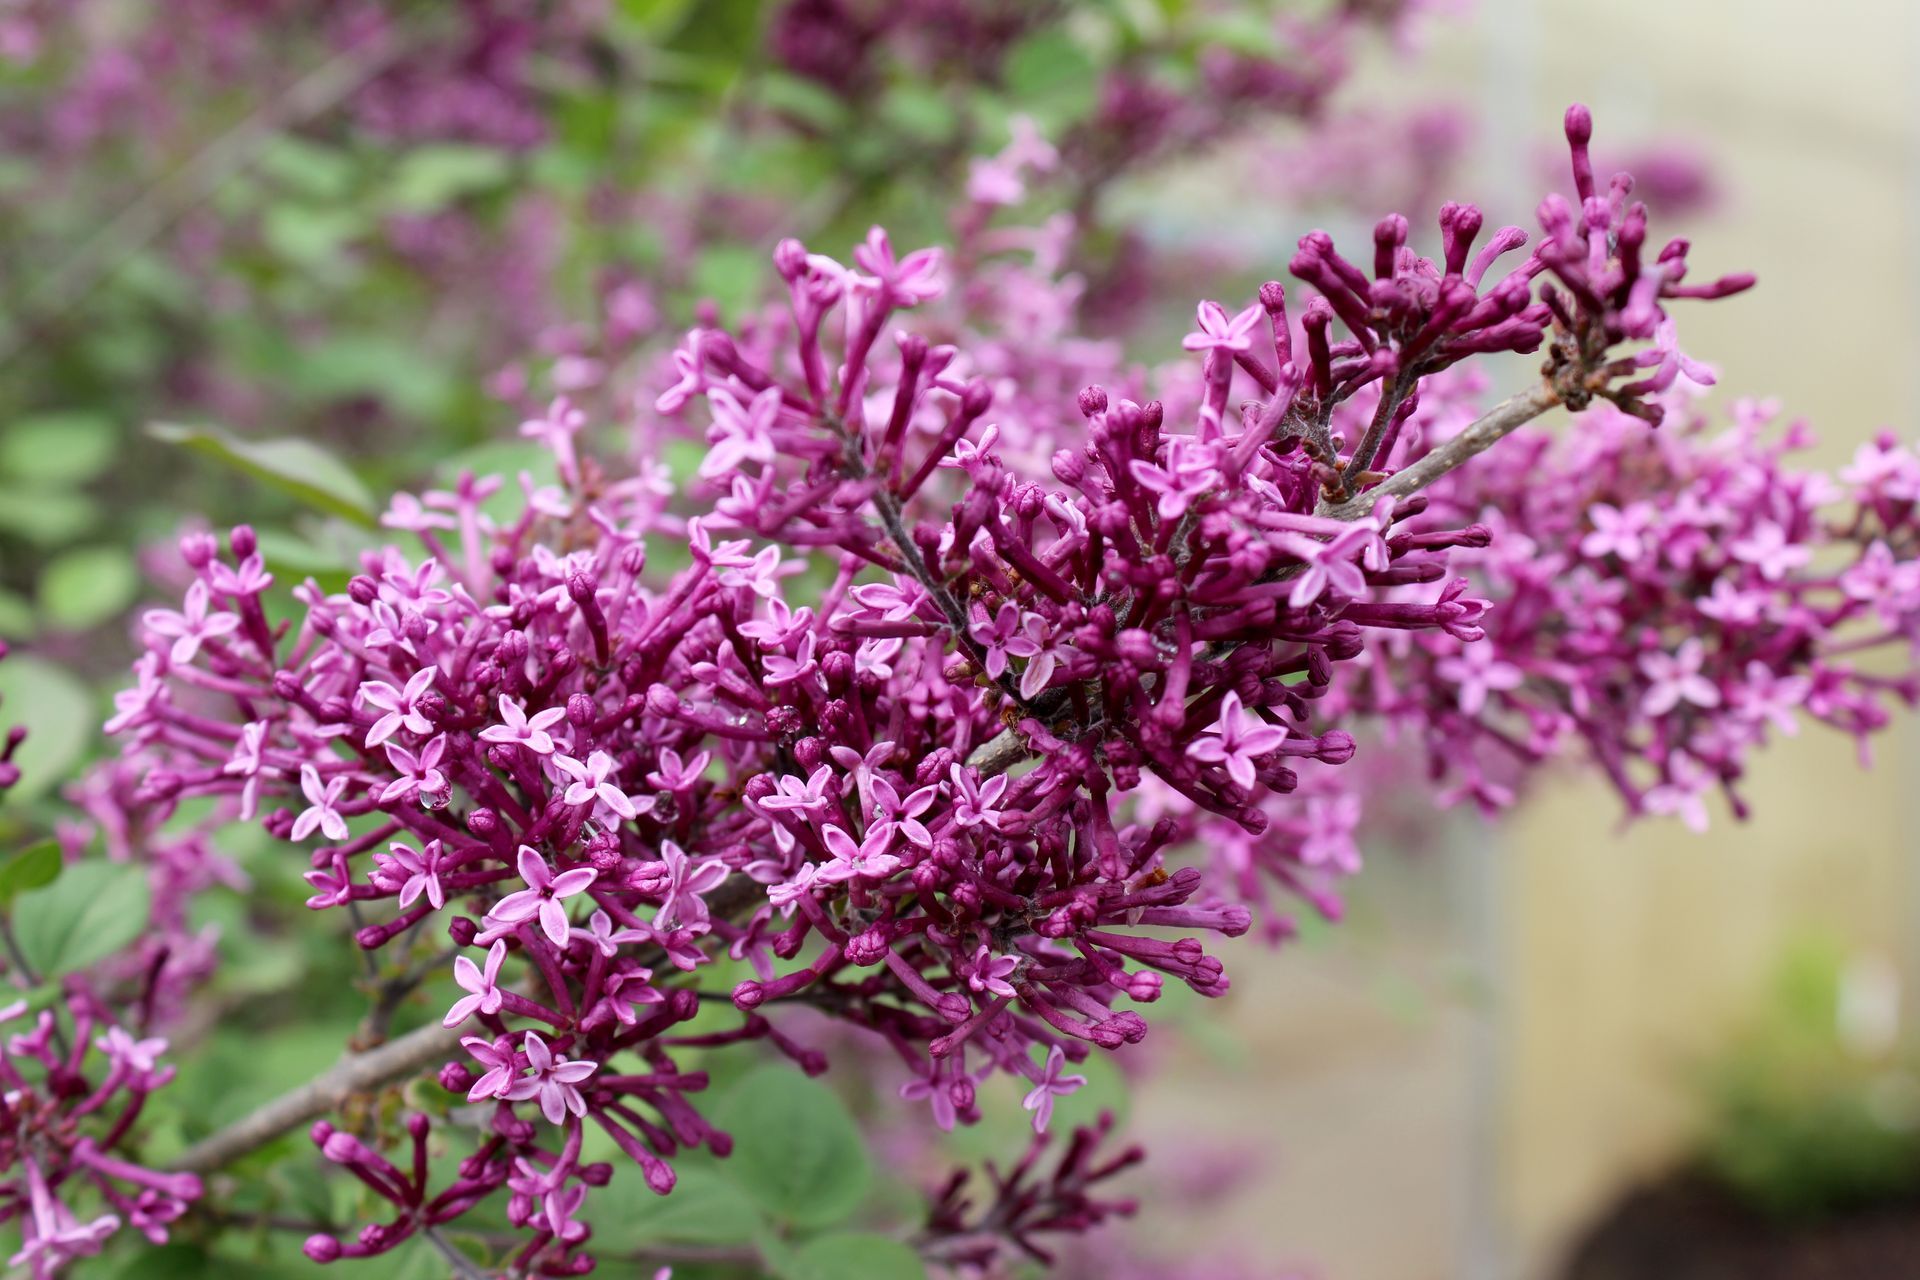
[
  {"x": 1092, "y": 400},
  {"x": 344, "y": 1148},
  {"x": 242, "y": 540},
  {"x": 867, "y": 948},
  {"x": 198, "y": 549},
  {"x": 790, "y": 260},
  {"x": 322, "y": 1249},
  {"x": 1336, "y": 747},
  {"x": 362, "y": 590},
  {"x": 455, "y": 1077}
]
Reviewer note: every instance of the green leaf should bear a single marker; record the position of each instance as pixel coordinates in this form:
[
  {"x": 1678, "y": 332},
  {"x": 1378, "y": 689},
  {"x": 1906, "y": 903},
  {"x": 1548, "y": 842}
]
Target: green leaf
[
  {"x": 1051, "y": 77},
  {"x": 310, "y": 168},
  {"x": 45, "y": 517},
  {"x": 17, "y": 619},
  {"x": 721, "y": 31},
  {"x": 371, "y": 364},
  {"x": 59, "y": 717},
  {"x": 90, "y": 912},
  {"x": 58, "y": 448},
  {"x": 87, "y": 586},
  {"x": 921, "y": 112},
  {"x": 182, "y": 1261},
  {"x": 33, "y": 867},
  {"x": 433, "y": 177},
  {"x": 656, "y": 18},
  {"x": 796, "y": 1150},
  {"x": 732, "y": 275},
  {"x": 804, "y": 99},
  {"x": 168, "y": 1262},
  {"x": 299, "y": 468},
  {"x": 703, "y": 1208},
  {"x": 854, "y": 1255},
  {"x": 308, "y": 236}
]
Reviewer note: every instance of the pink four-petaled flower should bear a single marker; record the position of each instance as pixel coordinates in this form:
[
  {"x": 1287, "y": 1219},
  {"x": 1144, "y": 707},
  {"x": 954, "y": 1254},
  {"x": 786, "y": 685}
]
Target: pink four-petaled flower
[
  {"x": 399, "y": 705},
  {"x": 516, "y": 727},
  {"x": 481, "y": 985},
  {"x": 322, "y": 812},
  {"x": 554, "y": 1081},
  {"x": 1049, "y": 1085},
  {"x": 543, "y": 897},
  {"x": 1236, "y": 739},
  {"x": 191, "y": 626}
]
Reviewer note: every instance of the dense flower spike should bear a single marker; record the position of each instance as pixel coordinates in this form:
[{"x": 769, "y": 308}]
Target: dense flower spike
[
  {"x": 963, "y": 721},
  {"x": 1666, "y": 601}
]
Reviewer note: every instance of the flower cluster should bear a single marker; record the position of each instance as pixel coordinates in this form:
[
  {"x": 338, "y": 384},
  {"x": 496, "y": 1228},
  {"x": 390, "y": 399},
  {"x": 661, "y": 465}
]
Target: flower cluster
[
  {"x": 920, "y": 732},
  {"x": 68, "y": 1104},
  {"x": 1666, "y": 601},
  {"x": 117, "y": 71},
  {"x": 1028, "y": 1203}
]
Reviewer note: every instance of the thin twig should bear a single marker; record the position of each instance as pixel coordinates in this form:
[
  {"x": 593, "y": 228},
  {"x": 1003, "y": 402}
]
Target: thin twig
[
  {"x": 374, "y": 1069},
  {"x": 392, "y": 1062},
  {"x": 462, "y": 1265}
]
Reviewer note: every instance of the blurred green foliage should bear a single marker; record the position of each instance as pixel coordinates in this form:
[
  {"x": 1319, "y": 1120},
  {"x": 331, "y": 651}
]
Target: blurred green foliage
[
  {"x": 1815, "y": 1108},
  {"x": 326, "y": 284}
]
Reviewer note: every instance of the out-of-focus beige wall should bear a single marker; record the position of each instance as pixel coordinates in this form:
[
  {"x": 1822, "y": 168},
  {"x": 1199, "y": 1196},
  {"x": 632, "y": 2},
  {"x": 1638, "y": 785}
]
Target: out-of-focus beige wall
[{"x": 1621, "y": 958}]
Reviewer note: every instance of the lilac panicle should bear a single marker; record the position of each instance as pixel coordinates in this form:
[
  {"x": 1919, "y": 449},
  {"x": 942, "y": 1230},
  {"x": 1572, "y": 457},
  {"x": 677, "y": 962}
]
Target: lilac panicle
[{"x": 970, "y": 722}]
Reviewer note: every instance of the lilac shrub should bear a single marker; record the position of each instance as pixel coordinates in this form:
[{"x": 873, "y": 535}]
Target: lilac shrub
[{"x": 967, "y": 731}]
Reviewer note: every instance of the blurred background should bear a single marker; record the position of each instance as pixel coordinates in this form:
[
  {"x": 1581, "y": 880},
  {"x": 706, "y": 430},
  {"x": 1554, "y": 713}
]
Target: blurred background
[{"x": 343, "y": 244}]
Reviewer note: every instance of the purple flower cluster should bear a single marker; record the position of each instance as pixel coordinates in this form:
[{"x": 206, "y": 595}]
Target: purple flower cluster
[
  {"x": 1028, "y": 1203},
  {"x": 920, "y": 731},
  {"x": 466, "y": 74},
  {"x": 1665, "y": 602},
  {"x": 68, "y": 1104}
]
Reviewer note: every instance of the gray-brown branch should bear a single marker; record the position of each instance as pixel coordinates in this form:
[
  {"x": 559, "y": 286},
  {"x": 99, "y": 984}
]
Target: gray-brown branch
[
  {"x": 376, "y": 1068},
  {"x": 1502, "y": 420}
]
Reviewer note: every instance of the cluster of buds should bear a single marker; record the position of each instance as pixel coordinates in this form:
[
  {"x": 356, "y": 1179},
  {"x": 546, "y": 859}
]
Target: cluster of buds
[{"x": 1028, "y": 1202}]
